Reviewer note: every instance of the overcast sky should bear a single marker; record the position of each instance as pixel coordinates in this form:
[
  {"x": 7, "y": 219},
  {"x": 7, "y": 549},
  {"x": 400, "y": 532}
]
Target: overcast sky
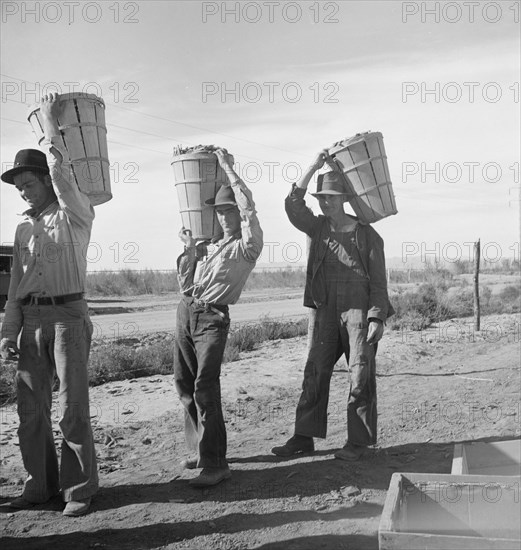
[{"x": 274, "y": 83}]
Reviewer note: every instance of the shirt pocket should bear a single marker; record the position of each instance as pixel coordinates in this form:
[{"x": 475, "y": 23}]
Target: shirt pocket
[
  {"x": 27, "y": 257},
  {"x": 225, "y": 269}
]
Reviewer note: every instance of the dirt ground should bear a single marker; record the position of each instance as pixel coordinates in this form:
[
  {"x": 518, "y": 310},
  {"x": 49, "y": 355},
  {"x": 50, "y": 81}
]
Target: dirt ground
[{"x": 445, "y": 385}]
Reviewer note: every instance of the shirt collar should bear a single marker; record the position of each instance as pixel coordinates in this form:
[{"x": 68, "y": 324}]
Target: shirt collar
[
  {"x": 233, "y": 237},
  {"x": 30, "y": 213}
]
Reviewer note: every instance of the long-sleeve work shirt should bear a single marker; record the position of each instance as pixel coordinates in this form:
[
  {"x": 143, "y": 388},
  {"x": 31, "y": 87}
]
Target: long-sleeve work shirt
[
  {"x": 216, "y": 273},
  {"x": 370, "y": 247},
  {"x": 50, "y": 250}
]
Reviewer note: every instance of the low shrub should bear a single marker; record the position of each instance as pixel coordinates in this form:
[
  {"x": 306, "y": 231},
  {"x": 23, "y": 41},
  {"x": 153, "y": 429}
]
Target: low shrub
[
  {"x": 130, "y": 283},
  {"x": 278, "y": 278},
  {"x": 508, "y": 300},
  {"x": 510, "y": 293},
  {"x": 418, "y": 309},
  {"x": 121, "y": 360},
  {"x": 247, "y": 337}
]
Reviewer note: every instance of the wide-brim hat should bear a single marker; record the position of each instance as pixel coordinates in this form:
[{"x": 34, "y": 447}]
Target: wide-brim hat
[
  {"x": 223, "y": 197},
  {"x": 331, "y": 183},
  {"x": 30, "y": 160}
]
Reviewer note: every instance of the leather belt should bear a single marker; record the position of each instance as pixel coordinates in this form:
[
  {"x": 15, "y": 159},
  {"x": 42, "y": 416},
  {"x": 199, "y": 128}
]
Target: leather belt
[
  {"x": 220, "y": 310},
  {"x": 51, "y": 300}
]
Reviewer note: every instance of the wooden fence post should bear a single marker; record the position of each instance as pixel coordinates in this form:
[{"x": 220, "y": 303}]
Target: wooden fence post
[{"x": 477, "y": 253}]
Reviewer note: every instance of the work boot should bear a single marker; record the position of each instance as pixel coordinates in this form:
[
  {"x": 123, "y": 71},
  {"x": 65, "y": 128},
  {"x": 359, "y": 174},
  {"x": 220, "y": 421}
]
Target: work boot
[
  {"x": 77, "y": 507},
  {"x": 20, "y": 503},
  {"x": 211, "y": 476},
  {"x": 294, "y": 445},
  {"x": 350, "y": 452}
]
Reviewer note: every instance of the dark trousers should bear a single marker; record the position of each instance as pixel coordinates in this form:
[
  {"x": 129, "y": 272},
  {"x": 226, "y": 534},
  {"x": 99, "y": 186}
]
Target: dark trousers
[
  {"x": 198, "y": 351},
  {"x": 333, "y": 334}
]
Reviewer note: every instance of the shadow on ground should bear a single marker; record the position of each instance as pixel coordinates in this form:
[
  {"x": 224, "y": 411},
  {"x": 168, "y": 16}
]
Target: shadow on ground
[{"x": 162, "y": 534}]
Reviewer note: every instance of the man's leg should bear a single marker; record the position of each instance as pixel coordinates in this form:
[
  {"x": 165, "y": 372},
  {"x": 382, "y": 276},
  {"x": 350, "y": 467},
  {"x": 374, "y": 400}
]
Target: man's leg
[
  {"x": 210, "y": 334},
  {"x": 361, "y": 404},
  {"x": 34, "y": 396},
  {"x": 185, "y": 372},
  {"x": 72, "y": 338},
  {"x": 325, "y": 350}
]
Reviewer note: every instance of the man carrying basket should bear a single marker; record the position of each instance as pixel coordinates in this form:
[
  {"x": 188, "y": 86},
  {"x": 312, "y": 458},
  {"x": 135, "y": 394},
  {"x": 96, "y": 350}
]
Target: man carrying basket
[
  {"x": 46, "y": 304},
  {"x": 346, "y": 288},
  {"x": 211, "y": 277}
]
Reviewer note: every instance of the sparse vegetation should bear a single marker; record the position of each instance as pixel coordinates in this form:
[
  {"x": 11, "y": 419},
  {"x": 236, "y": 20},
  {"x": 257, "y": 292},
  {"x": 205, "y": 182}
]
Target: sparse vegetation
[
  {"x": 279, "y": 278},
  {"x": 131, "y": 283},
  {"x": 127, "y": 358},
  {"x": 247, "y": 337},
  {"x": 138, "y": 282}
]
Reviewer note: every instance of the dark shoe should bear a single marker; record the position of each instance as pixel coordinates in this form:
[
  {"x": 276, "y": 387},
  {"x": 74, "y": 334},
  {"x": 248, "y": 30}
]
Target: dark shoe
[
  {"x": 20, "y": 503},
  {"x": 294, "y": 445},
  {"x": 189, "y": 463},
  {"x": 211, "y": 476},
  {"x": 77, "y": 507},
  {"x": 350, "y": 452}
]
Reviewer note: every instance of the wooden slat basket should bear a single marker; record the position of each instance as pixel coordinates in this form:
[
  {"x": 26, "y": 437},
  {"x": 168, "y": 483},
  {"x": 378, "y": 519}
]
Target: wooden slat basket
[
  {"x": 363, "y": 162},
  {"x": 82, "y": 124},
  {"x": 198, "y": 177}
]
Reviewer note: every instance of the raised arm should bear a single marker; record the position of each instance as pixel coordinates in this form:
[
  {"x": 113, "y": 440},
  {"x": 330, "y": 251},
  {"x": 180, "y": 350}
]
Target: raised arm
[
  {"x": 252, "y": 236},
  {"x": 317, "y": 164},
  {"x": 186, "y": 262},
  {"x": 298, "y": 213}
]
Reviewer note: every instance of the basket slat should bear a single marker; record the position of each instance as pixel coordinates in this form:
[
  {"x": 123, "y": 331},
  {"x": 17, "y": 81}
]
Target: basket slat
[
  {"x": 198, "y": 177},
  {"x": 92, "y": 169},
  {"x": 82, "y": 124},
  {"x": 363, "y": 161}
]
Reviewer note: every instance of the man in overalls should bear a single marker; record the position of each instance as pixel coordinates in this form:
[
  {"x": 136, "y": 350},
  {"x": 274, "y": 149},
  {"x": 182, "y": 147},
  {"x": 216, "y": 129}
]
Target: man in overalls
[{"x": 347, "y": 288}]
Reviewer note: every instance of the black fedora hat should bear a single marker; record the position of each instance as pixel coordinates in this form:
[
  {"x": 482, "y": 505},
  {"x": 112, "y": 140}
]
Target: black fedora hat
[
  {"x": 26, "y": 160},
  {"x": 331, "y": 183},
  {"x": 223, "y": 197}
]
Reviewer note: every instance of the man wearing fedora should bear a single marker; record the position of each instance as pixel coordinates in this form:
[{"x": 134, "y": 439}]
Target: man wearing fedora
[
  {"x": 46, "y": 305},
  {"x": 211, "y": 277},
  {"x": 346, "y": 288}
]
